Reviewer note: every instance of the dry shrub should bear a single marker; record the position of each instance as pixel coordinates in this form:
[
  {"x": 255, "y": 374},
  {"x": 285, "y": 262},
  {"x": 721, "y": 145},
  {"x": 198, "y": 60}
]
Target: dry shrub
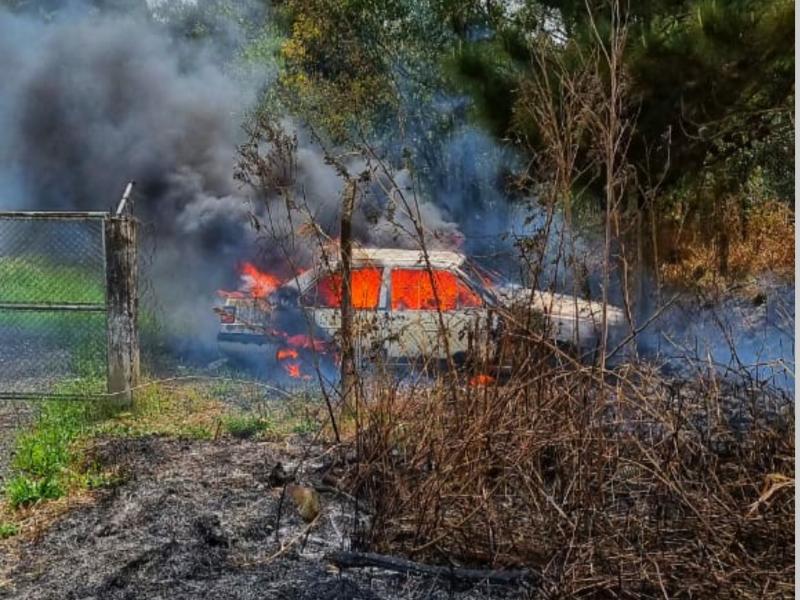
[
  {"x": 760, "y": 240},
  {"x": 766, "y": 242},
  {"x": 624, "y": 485}
]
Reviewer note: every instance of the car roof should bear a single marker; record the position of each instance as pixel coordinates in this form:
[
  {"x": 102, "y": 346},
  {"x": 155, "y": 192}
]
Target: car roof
[{"x": 395, "y": 257}]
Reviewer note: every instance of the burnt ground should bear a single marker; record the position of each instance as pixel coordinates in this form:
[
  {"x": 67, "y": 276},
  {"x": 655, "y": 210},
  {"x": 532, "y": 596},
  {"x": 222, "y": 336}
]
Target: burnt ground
[{"x": 198, "y": 519}]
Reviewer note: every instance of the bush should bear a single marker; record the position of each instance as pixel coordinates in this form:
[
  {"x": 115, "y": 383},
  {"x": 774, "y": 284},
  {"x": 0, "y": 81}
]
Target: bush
[{"x": 246, "y": 426}]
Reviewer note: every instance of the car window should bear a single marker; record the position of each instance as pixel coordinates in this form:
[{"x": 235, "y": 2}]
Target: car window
[
  {"x": 365, "y": 286},
  {"x": 412, "y": 290}
]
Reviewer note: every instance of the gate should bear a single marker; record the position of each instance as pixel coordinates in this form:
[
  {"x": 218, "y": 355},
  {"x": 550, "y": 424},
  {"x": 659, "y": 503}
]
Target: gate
[{"x": 67, "y": 304}]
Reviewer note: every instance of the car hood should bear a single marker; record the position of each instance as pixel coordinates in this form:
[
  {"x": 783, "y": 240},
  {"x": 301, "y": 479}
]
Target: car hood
[{"x": 563, "y": 306}]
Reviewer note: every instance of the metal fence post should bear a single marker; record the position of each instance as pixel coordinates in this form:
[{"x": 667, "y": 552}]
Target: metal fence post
[{"x": 123, "y": 307}]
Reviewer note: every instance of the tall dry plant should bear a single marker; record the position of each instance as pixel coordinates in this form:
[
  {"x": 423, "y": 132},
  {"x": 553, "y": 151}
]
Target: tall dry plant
[
  {"x": 611, "y": 127},
  {"x": 557, "y": 97},
  {"x": 580, "y": 100},
  {"x": 626, "y": 485}
]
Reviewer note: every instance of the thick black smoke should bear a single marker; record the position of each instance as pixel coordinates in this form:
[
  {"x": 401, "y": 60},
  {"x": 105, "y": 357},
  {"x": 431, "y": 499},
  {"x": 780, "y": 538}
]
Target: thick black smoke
[{"x": 94, "y": 96}]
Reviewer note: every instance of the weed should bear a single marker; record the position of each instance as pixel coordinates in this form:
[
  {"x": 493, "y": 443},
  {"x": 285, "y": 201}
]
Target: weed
[
  {"x": 43, "y": 455},
  {"x": 8, "y": 530},
  {"x": 23, "y": 491},
  {"x": 246, "y": 426},
  {"x": 305, "y": 425},
  {"x": 44, "y": 450}
]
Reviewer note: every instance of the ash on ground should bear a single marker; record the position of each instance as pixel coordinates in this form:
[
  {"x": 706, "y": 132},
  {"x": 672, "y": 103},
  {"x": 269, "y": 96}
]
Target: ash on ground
[{"x": 197, "y": 519}]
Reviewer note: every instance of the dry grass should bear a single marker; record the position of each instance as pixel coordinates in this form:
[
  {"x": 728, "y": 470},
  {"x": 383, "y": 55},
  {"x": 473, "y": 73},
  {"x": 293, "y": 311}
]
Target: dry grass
[
  {"x": 760, "y": 240},
  {"x": 625, "y": 485}
]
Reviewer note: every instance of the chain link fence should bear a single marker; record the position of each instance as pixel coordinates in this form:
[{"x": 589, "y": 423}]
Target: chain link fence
[{"x": 52, "y": 304}]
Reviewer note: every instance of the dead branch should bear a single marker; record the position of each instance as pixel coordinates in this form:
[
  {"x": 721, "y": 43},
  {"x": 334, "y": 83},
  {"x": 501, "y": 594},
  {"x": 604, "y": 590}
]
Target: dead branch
[{"x": 358, "y": 560}]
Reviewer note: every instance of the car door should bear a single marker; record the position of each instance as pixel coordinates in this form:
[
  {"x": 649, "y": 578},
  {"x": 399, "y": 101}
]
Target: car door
[
  {"x": 415, "y": 320},
  {"x": 323, "y": 302}
]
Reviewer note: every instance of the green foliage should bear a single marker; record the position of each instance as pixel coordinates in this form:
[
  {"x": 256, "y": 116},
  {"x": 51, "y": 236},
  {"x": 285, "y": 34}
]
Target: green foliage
[
  {"x": 365, "y": 67},
  {"x": 487, "y": 71},
  {"x": 711, "y": 81},
  {"x": 24, "y": 491},
  {"x": 720, "y": 77},
  {"x": 45, "y": 454},
  {"x": 8, "y": 530},
  {"x": 246, "y": 426}
]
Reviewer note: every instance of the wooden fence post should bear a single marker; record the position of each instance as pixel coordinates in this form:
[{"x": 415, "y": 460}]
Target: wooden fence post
[
  {"x": 348, "y": 372},
  {"x": 122, "y": 280}
]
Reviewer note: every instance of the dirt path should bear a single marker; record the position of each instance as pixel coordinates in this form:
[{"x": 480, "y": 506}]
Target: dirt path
[{"x": 197, "y": 519}]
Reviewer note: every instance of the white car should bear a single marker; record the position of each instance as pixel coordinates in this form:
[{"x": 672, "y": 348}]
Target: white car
[{"x": 395, "y": 294}]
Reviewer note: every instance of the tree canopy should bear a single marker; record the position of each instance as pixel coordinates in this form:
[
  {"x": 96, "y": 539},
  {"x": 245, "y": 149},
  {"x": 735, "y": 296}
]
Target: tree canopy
[{"x": 711, "y": 82}]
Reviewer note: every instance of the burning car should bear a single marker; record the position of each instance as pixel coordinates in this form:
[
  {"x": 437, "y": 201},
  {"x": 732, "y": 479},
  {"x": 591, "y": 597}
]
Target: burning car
[{"x": 403, "y": 300}]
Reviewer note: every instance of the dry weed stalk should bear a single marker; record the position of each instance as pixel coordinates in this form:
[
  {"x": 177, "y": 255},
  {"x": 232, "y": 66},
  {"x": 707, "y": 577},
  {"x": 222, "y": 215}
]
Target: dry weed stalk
[{"x": 626, "y": 485}]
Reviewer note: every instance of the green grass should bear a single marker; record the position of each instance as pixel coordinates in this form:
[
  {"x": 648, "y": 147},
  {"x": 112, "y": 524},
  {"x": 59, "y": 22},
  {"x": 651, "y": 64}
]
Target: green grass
[
  {"x": 24, "y": 280},
  {"x": 24, "y": 491},
  {"x": 50, "y": 458},
  {"x": 44, "y": 455},
  {"x": 246, "y": 426},
  {"x": 8, "y": 530},
  {"x": 83, "y": 334}
]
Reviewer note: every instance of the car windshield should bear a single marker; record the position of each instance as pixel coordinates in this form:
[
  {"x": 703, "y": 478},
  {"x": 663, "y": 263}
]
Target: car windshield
[{"x": 480, "y": 279}]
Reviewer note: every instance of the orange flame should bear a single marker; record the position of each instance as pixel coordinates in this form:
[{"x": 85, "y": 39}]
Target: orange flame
[
  {"x": 258, "y": 283},
  {"x": 285, "y": 353},
  {"x": 305, "y": 341},
  {"x": 293, "y": 369},
  {"x": 481, "y": 380},
  {"x": 365, "y": 289},
  {"x": 412, "y": 290}
]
